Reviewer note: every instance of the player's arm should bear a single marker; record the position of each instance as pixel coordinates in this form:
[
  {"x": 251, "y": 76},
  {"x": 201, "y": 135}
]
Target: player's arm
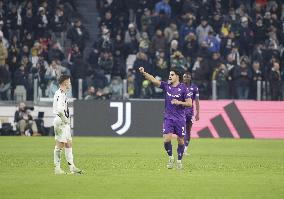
[
  {"x": 197, "y": 109},
  {"x": 187, "y": 102},
  {"x": 150, "y": 77},
  {"x": 197, "y": 103}
]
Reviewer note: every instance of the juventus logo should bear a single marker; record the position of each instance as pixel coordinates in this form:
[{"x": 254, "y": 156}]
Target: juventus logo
[{"x": 117, "y": 127}]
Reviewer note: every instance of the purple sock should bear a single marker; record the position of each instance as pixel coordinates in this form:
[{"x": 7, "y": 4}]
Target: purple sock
[
  {"x": 180, "y": 150},
  {"x": 187, "y": 138},
  {"x": 168, "y": 148}
]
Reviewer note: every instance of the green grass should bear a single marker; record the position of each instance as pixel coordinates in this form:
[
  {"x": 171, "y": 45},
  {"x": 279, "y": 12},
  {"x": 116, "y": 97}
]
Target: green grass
[{"x": 134, "y": 168}]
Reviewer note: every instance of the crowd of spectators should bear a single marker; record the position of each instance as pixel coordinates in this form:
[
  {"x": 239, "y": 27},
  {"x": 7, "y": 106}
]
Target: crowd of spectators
[
  {"x": 235, "y": 42},
  {"x": 39, "y": 40}
]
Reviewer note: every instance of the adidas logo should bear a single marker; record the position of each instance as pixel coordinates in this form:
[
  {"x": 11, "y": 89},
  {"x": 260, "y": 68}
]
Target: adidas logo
[{"x": 222, "y": 128}]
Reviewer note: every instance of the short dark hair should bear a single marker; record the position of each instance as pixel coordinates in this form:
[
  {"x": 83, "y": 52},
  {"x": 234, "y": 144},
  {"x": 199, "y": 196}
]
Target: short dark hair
[
  {"x": 62, "y": 78},
  {"x": 187, "y": 73},
  {"x": 177, "y": 72}
]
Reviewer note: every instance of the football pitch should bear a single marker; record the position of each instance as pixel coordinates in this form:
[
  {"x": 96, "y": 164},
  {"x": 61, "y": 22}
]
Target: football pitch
[{"x": 134, "y": 168}]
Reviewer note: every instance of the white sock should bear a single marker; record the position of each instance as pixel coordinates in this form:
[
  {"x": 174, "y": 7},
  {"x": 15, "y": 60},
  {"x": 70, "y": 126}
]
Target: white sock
[
  {"x": 185, "y": 148},
  {"x": 57, "y": 156},
  {"x": 69, "y": 157}
]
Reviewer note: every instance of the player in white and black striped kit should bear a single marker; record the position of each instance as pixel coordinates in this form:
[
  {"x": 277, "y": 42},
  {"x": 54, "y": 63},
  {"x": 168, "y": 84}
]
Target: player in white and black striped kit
[{"x": 61, "y": 125}]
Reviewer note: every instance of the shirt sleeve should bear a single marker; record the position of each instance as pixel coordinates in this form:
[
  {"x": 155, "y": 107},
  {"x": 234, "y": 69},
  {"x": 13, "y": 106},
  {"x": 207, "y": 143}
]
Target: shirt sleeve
[{"x": 163, "y": 85}]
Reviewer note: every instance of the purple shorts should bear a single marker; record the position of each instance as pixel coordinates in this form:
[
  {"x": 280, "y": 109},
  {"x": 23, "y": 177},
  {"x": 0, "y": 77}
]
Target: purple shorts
[{"x": 174, "y": 126}]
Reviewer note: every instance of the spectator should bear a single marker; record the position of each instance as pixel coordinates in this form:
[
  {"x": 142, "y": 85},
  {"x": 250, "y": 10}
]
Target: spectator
[
  {"x": 92, "y": 94},
  {"x": 144, "y": 43},
  {"x": 220, "y": 74},
  {"x": 246, "y": 37},
  {"x": 141, "y": 60},
  {"x": 14, "y": 21},
  {"x": 131, "y": 39},
  {"x": 147, "y": 22},
  {"x": 59, "y": 26},
  {"x": 203, "y": 30},
  {"x": 78, "y": 34},
  {"x": 275, "y": 82},
  {"x": 256, "y": 76},
  {"x": 170, "y": 31},
  {"x": 159, "y": 42},
  {"x": 41, "y": 23},
  {"x": 55, "y": 52},
  {"x": 178, "y": 61},
  {"x": 165, "y": 6},
  {"x": 213, "y": 43},
  {"x": 3, "y": 53},
  {"x": 186, "y": 29},
  {"x": 24, "y": 120},
  {"x": 242, "y": 76},
  {"x": 116, "y": 88},
  {"x": 119, "y": 66},
  {"x": 190, "y": 46},
  {"x": 5, "y": 82},
  {"x": 161, "y": 65},
  {"x": 74, "y": 55},
  {"x": 106, "y": 64},
  {"x": 28, "y": 22},
  {"x": 201, "y": 75}
]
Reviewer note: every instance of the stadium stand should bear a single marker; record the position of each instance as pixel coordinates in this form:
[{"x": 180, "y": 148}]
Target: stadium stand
[{"x": 235, "y": 43}]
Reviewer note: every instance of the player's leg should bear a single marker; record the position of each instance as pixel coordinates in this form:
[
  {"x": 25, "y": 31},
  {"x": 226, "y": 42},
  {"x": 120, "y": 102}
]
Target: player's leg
[
  {"x": 169, "y": 150},
  {"x": 187, "y": 135},
  {"x": 167, "y": 130},
  {"x": 57, "y": 157},
  {"x": 69, "y": 151},
  {"x": 60, "y": 139},
  {"x": 180, "y": 132}
]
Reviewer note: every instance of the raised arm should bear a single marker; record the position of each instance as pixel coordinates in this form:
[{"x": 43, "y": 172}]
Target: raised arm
[{"x": 149, "y": 77}]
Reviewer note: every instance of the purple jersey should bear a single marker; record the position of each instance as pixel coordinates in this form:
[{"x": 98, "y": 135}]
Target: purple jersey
[
  {"x": 193, "y": 90},
  {"x": 180, "y": 92}
]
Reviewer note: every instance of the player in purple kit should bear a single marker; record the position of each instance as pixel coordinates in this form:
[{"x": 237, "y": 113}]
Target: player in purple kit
[
  {"x": 189, "y": 112},
  {"x": 177, "y": 98}
]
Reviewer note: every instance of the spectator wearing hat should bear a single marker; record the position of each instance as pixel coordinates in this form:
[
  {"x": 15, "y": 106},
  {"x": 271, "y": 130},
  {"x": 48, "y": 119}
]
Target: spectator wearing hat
[
  {"x": 42, "y": 23},
  {"x": 132, "y": 38},
  {"x": 245, "y": 37}
]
